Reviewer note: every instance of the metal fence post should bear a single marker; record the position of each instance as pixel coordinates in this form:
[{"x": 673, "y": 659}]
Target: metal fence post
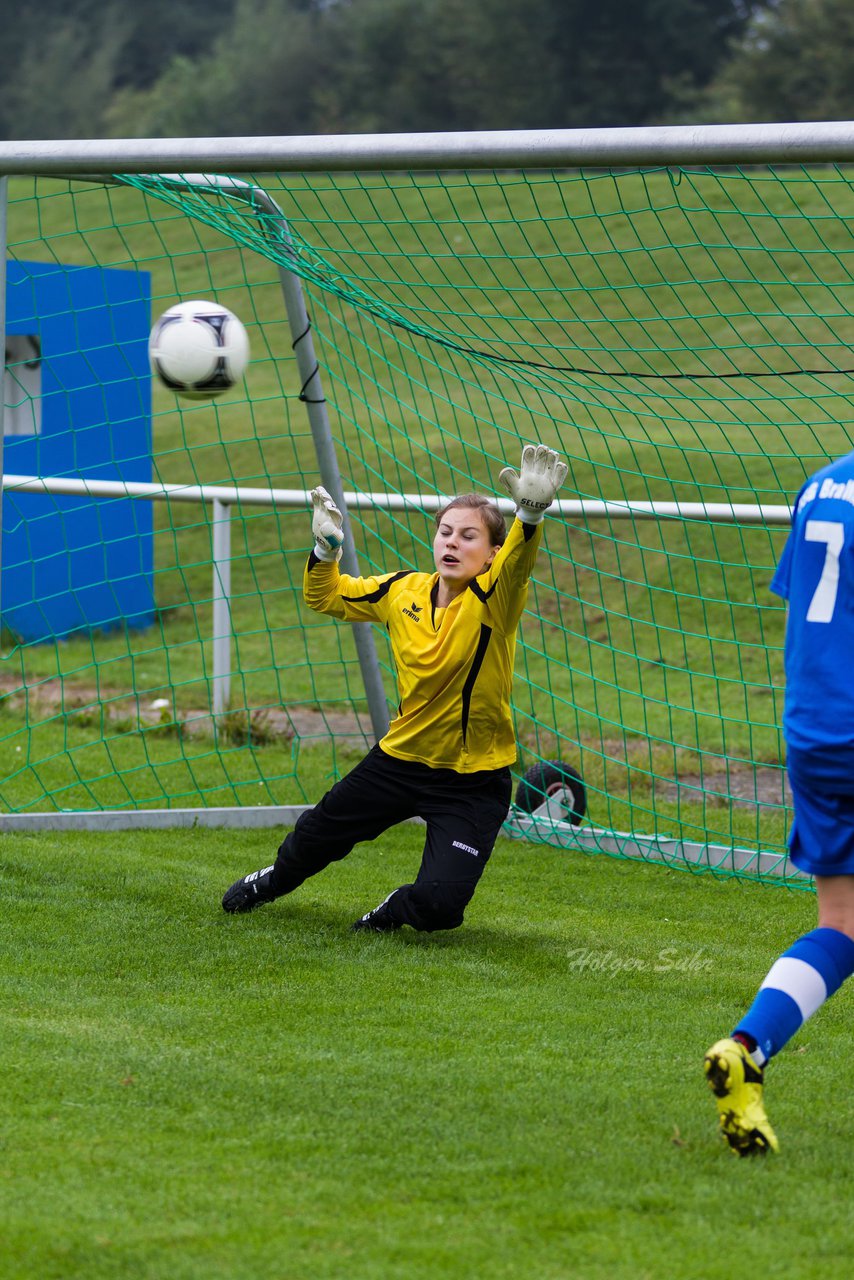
[{"x": 221, "y": 539}]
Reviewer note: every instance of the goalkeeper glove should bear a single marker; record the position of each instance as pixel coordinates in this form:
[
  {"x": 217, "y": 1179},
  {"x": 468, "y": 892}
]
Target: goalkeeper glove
[
  {"x": 541, "y": 474},
  {"x": 327, "y": 526}
]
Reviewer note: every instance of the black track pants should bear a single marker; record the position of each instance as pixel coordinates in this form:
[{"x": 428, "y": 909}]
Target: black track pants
[{"x": 463, "y": 813}]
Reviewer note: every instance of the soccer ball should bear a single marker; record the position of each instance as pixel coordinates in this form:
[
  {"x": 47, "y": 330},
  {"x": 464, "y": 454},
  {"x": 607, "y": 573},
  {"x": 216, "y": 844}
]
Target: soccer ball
[{"x": 198, "y": 349}]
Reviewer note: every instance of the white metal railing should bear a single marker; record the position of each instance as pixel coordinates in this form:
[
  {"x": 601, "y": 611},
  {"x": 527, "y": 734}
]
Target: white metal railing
[
  {"x": 223, "y": 497},
  {"x": 358, "y": 500}
]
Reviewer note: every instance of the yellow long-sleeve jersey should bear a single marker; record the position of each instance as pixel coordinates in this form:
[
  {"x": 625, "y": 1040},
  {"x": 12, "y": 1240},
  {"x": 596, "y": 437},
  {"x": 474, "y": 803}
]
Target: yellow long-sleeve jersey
[{"x": 454, "y": 665}]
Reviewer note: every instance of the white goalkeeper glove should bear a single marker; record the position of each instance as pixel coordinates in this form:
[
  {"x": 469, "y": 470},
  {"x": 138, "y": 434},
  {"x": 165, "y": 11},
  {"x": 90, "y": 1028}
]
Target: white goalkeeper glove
[
  {"x": 327, "y": 525},
  {"x": 541, "y": 473}
]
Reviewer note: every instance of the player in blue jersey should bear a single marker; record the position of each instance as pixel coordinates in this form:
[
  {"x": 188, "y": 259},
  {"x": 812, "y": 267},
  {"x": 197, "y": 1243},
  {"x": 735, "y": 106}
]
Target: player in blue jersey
[{"x": 816, "y": 576}]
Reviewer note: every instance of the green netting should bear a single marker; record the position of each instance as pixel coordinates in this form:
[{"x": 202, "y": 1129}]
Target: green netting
[{"x": 680, "y": 335}]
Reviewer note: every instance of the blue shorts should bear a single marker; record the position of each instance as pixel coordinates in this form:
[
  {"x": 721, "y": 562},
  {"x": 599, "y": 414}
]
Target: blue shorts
[{"x": 821, "y": 841}]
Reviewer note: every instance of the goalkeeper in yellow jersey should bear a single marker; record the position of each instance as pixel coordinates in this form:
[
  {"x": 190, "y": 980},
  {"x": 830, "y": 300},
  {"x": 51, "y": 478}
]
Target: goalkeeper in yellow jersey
[{"x": 447, "y": 754}]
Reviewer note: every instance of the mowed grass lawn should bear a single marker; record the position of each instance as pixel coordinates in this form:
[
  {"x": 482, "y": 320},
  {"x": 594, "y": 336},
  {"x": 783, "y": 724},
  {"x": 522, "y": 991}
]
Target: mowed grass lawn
[{"x": 271, "y": 1097}]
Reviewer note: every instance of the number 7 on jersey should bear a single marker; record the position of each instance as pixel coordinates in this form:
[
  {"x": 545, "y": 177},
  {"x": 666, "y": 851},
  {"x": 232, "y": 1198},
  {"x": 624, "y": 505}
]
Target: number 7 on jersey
[{"x": 832, "y": 533}]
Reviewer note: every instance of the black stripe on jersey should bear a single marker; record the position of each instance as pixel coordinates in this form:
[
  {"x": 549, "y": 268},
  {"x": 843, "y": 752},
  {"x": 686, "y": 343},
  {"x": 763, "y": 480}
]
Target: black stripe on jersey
[
  {"x": 478, "y": 590},
  {"x": 434, "y": 600},
  {"x": 382, "y": 590},
  {"x": 474, "y": 672},
  {"x": 528, "y": 530}
]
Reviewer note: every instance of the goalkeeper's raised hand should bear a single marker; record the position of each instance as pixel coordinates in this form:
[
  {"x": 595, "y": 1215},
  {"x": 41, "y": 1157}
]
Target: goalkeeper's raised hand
[
  {"x": 327, "y": 525},
  {"x": 533, "y": 489}
]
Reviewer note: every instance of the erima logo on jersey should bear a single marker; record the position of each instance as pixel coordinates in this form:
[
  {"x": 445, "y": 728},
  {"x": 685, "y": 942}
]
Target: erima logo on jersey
[
  {"x": 466, "y": 848},
  {"x": 414, "y": 611}
]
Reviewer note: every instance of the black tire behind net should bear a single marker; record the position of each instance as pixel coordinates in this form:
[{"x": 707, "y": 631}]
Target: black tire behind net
[{"x": 543, "y": 779}]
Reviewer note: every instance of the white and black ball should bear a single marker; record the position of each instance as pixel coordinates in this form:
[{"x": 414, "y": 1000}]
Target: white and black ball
[{"x": 198, "y": 349}]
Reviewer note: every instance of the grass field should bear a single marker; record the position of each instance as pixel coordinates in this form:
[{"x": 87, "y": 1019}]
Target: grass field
[
  {"x": 273, "y": 1098},
  {"x": 197, "y": 1097}
]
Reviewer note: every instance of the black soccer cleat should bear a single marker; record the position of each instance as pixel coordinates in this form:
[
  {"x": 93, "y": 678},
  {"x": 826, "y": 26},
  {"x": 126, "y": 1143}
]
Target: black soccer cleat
[
  {"x": 377, "y": 921},
  {"x": 250, "y": 892}
]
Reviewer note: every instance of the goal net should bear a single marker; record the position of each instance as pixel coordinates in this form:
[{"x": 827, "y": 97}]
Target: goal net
[{"x": 682, "y": 335}]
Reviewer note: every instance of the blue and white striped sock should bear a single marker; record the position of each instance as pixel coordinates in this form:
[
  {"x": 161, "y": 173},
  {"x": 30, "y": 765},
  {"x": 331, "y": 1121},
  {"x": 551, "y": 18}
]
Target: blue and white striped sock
[{"x": 798, "y": 984}]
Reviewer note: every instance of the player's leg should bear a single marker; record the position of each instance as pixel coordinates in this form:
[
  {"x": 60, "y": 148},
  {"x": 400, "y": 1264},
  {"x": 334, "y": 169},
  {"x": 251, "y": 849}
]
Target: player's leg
[
  {"x": 796, "y": 986},
  {"x": 805, "y": 975},
  {"x": 464, "y": 814},
  {"x": 835, "y": 896},
  {"x": 799, "y": 981},
  {"x": 363, "y": 804}
]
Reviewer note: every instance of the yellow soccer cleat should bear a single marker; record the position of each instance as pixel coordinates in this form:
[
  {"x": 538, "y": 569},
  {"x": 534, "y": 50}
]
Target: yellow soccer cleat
[{"x": 736, "y": 1082}]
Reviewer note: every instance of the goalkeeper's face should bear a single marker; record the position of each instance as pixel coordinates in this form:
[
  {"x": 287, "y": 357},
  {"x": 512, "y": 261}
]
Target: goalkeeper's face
[{"x": 462, "y": 547}]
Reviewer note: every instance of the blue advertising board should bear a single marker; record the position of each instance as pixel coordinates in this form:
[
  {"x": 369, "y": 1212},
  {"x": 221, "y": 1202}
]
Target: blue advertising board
[{"x": 77, "y": 563}]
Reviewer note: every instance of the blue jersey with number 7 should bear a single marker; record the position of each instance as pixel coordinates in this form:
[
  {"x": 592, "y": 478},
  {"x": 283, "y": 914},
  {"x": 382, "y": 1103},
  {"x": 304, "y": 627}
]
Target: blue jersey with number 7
[{"x": 816, "y": 576}]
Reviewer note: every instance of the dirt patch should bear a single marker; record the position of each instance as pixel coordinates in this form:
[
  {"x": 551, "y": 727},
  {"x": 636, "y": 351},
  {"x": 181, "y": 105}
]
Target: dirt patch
[
  {"x": 676, "y": 776},
  {"x": 84, "y": 703},
  {"x": 718, "y": 781},
  {"x": 758, "y": 786}
]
